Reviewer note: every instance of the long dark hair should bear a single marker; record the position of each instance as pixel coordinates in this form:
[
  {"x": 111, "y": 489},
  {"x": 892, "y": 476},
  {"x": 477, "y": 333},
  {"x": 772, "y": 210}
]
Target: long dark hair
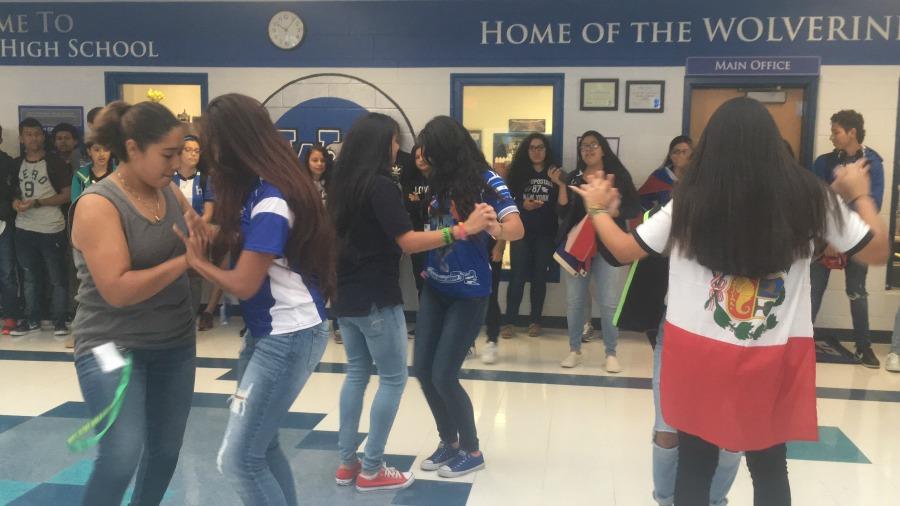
[
  {"x": 630, "y": 206},
  {"x": 329, "y": 163},
  {"x": 680, "y": 139},
  {"x": 736, "y": 211},
  {"x": 244, "y": 147},
  {"x": 611, "y": 162},
  {"x": 365, "y": 154},
  {"x": 457, "y": 165},
  {"x": 521, "y": 165}
]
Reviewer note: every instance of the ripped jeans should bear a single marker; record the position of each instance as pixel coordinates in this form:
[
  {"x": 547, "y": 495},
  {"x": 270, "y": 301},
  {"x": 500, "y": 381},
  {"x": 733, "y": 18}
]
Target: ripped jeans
[
  {"x": 272, "y": 370},
  {"x": 855, "y": 287}
]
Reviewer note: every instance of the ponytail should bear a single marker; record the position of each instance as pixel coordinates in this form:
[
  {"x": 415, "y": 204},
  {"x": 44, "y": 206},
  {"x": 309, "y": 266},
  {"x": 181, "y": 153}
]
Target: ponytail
[{"x": 145, "y": 123}]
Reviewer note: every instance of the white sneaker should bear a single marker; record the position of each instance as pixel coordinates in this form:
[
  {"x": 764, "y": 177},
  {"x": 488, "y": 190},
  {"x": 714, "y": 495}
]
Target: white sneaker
[
  {"x": 489, "y": 355},
  {"x": 892, "y": 362},
  {"x": 571, "y": 360},
  {"x": 612, "y": 364}
]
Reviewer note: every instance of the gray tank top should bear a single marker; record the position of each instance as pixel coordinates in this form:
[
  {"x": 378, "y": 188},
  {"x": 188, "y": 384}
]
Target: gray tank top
[{"x": 162, "y": 321}]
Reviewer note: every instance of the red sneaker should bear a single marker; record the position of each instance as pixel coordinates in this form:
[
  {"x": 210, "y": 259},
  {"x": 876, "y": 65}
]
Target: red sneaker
[
  {"x": 8, "y": 325},
  {"x": 388, "y": 478},
  {"x": 344, "y": 476}
]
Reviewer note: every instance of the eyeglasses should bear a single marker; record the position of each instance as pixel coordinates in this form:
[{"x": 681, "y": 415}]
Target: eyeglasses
[
  {"x": 192, "y": 151},
  {"x": 589, "y": 147},
  {"x": 538, "y": 147}
]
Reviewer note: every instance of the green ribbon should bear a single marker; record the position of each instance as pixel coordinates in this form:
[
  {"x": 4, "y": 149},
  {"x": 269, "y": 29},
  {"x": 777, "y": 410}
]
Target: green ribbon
[{"x": 79, "y": 442}]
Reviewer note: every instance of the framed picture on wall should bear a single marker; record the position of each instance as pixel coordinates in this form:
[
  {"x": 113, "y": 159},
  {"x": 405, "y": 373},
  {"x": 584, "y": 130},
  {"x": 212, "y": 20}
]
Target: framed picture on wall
[
  {"x": 476, "y": 136},
  {"x": 599, "y": 94},
  {"x": 645, "y": 96},
  {"x": 528, "y": 125}
]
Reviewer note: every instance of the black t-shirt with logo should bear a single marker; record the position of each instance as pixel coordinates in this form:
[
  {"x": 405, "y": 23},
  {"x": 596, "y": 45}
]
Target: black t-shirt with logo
[{"x": 543, "y": 220}]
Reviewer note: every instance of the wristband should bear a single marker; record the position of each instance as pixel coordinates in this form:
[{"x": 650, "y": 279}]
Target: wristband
[
  {"x": 448, "y": 237},
  {"x": 463, "y": 235},
  {"x": 595, "y": 210}
]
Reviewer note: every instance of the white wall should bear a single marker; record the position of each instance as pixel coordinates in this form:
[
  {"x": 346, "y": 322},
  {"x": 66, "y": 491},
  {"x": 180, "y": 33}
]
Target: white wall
[{"x": 424, "y": 93}]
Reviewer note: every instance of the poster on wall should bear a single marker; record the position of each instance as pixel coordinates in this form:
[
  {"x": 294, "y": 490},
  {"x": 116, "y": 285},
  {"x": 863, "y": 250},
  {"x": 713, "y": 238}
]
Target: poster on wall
[{"x": 52, "y": 115}]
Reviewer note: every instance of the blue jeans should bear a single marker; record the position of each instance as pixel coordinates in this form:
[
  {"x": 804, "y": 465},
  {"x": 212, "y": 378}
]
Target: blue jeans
[
  {"x": 895, "y": 339},
  {"x": 608, "y": 284},
  {"x": 532, "y": 255},
  {"x": 272, "y": 370},
  {"x": 150, "y": 427},
  {"x": 665, "y": 460},
  {"x": 9, "y": 288},
  {"x": 380, "y": 337},
  {"x": 38, "y": 253},
  {"x": 855, "y": 276},
  {"x": 446, "y": 328}
]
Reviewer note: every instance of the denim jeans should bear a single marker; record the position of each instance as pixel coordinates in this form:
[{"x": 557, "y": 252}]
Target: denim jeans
[
  {"x": 38, "y": 253},
  {"x": 9, "y": 288},
  {"x": 150, "y": 428},
  {"x": 665, "y": 460},
  {"x": 895, "y": 339},
  {"x": 608, "y": 284},
  {"x": 531, "y": 255},
  {"x": 697, "y": 464},
  {"x": 272, "y": 370},
  {"x": 379, "y": 337},
  {"x": 418, "y": 265},
  {"x": 855, "y": 276},
  {"x": 492, "y": 316},
  {"x": 446, "y": 329}
]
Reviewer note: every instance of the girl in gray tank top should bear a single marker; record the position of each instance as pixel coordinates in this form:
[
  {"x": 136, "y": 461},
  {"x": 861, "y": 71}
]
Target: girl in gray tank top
[{"x": 135, "y": 295}]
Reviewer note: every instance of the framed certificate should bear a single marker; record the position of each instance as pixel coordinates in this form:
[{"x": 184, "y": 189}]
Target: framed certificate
[
  {"x": 599, "y": 94},
  {"x": 645, "y": 96}
]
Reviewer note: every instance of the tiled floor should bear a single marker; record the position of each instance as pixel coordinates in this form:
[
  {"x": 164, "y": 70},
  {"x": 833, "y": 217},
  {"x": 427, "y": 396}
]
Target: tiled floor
[{"x": 550, "y": 436}]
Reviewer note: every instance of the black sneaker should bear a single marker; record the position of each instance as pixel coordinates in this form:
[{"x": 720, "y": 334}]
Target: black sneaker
[
  {"x": 866, "y": 357},
  {"x": 60, "y": 329},
  {"x": 25, "y": 327}
]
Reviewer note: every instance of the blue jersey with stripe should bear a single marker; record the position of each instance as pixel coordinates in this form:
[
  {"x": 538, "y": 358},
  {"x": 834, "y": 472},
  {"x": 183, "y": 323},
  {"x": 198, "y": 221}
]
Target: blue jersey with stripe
[
  {"x": 463, "y": 268},
  {"x": 286, "y": 302},
  {"x": 199, "y": 194}
]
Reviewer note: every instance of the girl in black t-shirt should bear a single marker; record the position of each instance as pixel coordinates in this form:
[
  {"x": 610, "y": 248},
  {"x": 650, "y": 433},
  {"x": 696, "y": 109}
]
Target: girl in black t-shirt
[{"x": 536, "y": 196}]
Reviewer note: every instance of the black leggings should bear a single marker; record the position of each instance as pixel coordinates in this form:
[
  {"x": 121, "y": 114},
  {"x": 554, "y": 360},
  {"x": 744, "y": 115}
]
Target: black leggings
[{"x": 697, "y": 461}]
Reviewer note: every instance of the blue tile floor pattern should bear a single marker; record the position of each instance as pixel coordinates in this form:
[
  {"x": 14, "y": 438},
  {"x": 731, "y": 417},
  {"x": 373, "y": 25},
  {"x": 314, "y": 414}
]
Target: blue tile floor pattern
[{"x": 46, "y": 473}]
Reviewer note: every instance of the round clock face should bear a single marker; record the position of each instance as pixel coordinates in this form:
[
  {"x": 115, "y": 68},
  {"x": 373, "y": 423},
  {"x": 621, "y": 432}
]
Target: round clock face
[{"x": 286, "y": 30}]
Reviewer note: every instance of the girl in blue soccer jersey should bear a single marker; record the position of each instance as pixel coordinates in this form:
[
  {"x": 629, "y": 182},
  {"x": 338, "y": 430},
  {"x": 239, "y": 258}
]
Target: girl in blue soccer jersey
[
  {"x": 274, "y": 226},
  {"x": 373, "y": 230},
  {"x": 457, "y": 285}
]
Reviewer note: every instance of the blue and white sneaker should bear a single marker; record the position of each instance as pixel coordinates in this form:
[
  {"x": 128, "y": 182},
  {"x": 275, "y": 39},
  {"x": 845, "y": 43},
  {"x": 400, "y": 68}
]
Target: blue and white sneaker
[
  {"x": 464, "y": 463},
  {"x": 444, "y": 454}
]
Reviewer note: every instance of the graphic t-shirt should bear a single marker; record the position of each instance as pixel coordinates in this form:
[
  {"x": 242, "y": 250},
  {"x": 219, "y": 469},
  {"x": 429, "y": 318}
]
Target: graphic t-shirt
[
  {"x": 34, "y": 183},
  {"x": 463, "y": 268}
]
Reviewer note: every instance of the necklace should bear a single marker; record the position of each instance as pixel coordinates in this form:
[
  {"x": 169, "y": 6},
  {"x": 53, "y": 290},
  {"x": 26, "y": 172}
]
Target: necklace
[{"x": 156, "y": 218}]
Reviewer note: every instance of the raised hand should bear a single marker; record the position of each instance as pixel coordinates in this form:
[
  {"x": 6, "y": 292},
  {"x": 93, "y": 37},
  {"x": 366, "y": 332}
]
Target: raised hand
[
  {"x": 851, "y": 181},
  {"x": 481, "y": 218}
]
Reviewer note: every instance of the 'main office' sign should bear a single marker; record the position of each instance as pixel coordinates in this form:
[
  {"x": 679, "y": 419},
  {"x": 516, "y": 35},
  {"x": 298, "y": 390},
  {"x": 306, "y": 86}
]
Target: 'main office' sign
[{"x": 754, "y": 66}]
